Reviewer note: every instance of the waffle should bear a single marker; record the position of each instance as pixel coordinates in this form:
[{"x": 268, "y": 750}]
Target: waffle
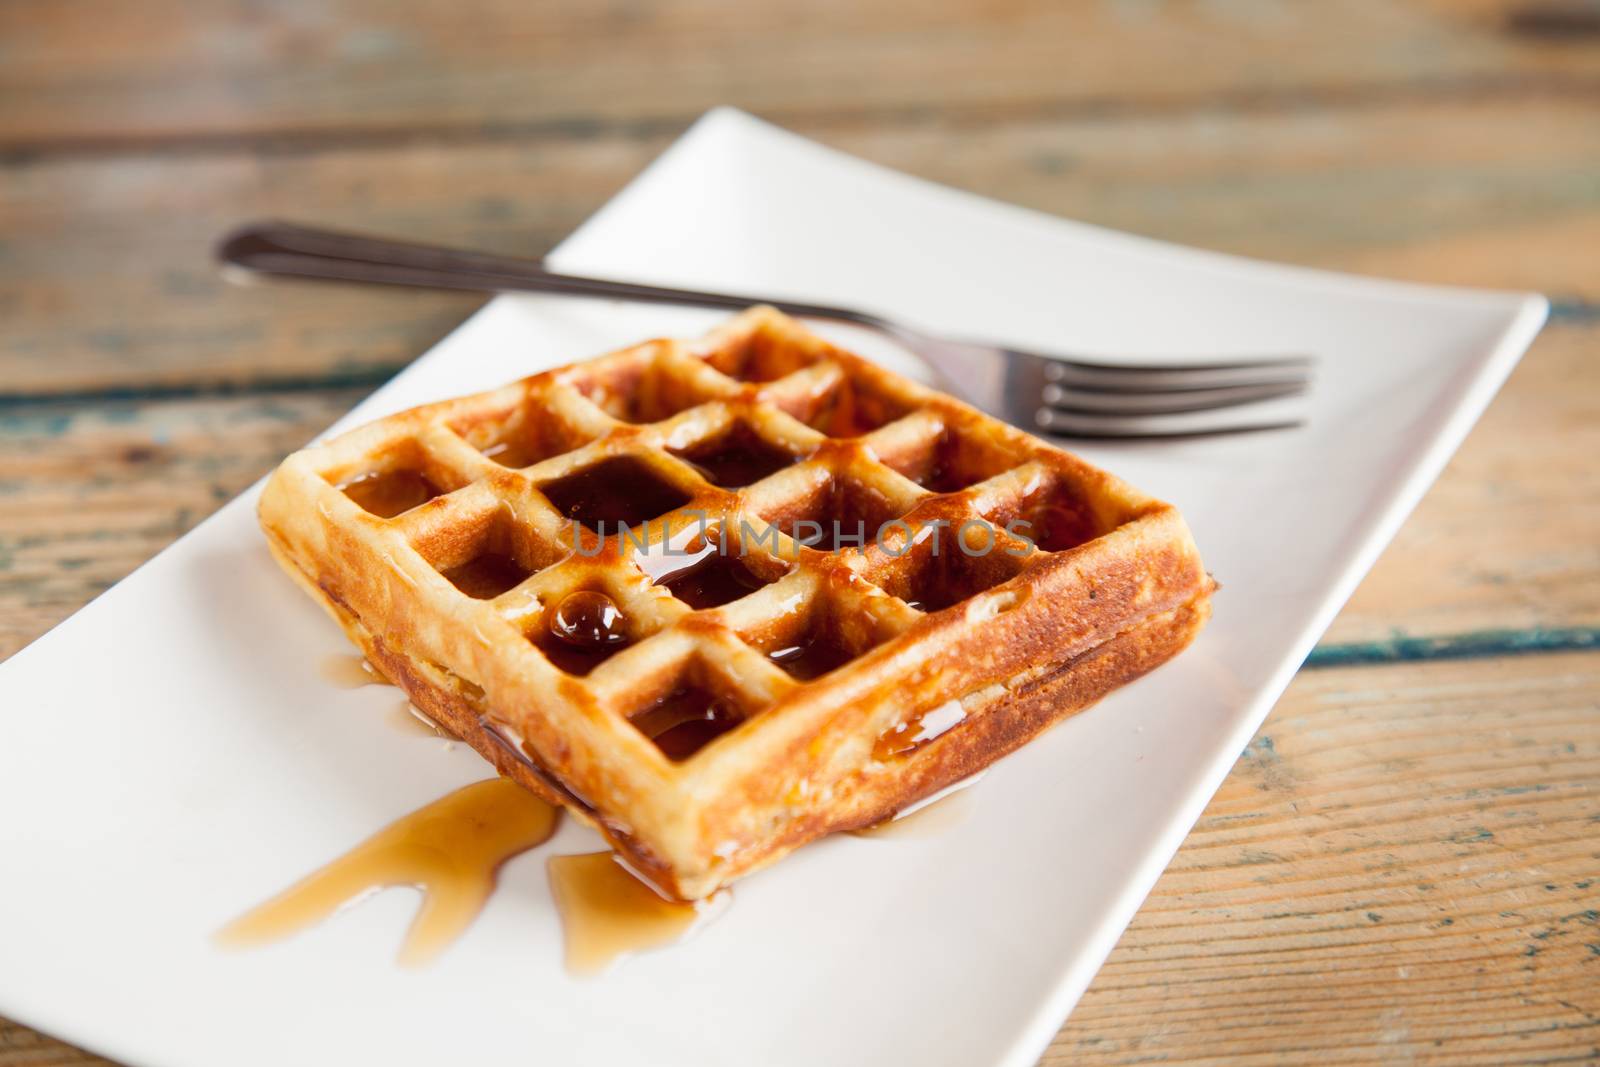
[{"x": 748, "y": 677}]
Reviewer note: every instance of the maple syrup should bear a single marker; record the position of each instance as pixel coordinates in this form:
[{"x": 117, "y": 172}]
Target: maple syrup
[
  {"x": 1062, "y": 526},
  {"x": 588, "y": 617},
  {"x": 848, "y": 515},
  {"x": 1054, "y": 521},
  {"x": 407, "y": 718},
  {"x": 584, "y": 629},
  {"x": 675, "y": 553},
  {"x": 921, "y": 727},
  {"x": 524, "y": 447},
  {"x": 952, "y": 461},
  {"x": 853, "y": 410},
  {"x": 577, "y": 660},
  {"x": 761, "y": 358},
  {"x": 350, "y": 672},
  {"x": 945, "y": 810},
  {"x": 948, "y": 575},
  {"x": 812, "y": 657},
  {"x": 520, "y": 437},
  {"x": 635, "y": 392},
  {"x": 607, "y": 913},
  {"x": 614, "y": 493},
  {"x": 942, "y": 476},
  {"x": 936, "y": 597},
  {"x": 686, "y": 720},
  {"x": 949, "y": 469},
  {"x": 737, "y": 458},
  {"x": 514, "y": 452},
  {"x": 450, "y": 849},
  {"x": 486, "y": 576},
  {"x": 390, "y": 493},
  {"x": 712, "y": 581}
]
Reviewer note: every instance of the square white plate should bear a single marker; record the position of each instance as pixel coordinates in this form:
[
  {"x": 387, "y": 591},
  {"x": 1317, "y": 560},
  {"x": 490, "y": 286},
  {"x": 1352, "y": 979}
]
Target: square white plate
[{"x": 170, "y": 755}]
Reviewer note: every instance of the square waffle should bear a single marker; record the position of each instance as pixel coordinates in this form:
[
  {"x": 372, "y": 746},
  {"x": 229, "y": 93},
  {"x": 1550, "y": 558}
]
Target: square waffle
[{"x": 723, "y": 597}]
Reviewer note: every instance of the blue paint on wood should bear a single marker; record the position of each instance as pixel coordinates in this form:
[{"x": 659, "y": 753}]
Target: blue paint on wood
[
  {"x": 1480, "y": 645},
  {"x": 369, "y": 378},
  {"x": 1574, "y": 311}
]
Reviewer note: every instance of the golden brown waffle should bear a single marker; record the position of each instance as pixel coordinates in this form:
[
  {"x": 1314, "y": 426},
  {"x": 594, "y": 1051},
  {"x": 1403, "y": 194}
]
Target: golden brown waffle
[{"x": 801, "y": 689}]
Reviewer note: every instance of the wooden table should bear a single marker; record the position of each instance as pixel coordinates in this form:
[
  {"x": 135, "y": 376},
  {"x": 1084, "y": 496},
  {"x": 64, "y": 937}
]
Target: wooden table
[{"x": 1405, "y": 864}]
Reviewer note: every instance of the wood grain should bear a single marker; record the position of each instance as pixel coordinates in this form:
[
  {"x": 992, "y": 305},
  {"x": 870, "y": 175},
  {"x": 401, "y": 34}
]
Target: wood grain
[
  {"x": 1509, "y": 537},
  {"x": 186, "y": 73},
  {"x": 106, "y": 276},
  {"x": 89, "y": 493},
  {"x": 22, "y": 1047},
  {"x": 1404, "y": 867}
]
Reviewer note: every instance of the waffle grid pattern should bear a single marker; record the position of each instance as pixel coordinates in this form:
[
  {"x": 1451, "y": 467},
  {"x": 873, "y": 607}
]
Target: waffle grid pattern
[{"x": 522, "y": 477}]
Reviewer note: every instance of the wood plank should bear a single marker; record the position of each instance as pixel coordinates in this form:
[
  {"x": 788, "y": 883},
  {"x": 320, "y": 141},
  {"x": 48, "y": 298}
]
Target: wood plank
[
  {"x": 90, "y": 493},
  {"x": 105, "y": 276},
  {"x": 1402, "y": 868},
  {"x": 106, "y": 270},
  {"x": 1509, "y": 537},
  {"x": 22, "y": 1047},
  {"x": 91, "y": 490},
  {"x": 175, "y": 70}
]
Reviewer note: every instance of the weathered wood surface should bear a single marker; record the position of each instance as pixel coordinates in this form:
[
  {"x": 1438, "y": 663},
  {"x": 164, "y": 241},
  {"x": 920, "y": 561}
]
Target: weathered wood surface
[
  {"x": 87, "y": 493},
  {"x": 106, "y": 277},
  {"x": 1403, "y": 866},
  {"x": 183, "y": 72},
  {"x": 1509, "y": 537},
  {"x": 22, "y": 1047}
]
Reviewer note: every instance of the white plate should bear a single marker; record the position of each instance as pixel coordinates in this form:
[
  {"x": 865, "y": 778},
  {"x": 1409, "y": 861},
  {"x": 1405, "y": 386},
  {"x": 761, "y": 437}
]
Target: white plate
[{"x": 170, "y": 755}]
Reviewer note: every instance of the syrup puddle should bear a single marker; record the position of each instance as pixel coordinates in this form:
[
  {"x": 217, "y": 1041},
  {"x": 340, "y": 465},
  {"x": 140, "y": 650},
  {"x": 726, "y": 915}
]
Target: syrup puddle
[
  {"x": 450, "y": 849},
  {"x": 409, "y": 719},
  {"x": 350, "y": 672},
  {"x": 607, "y": 913},
  {"x": 354, "y": 672},
  {"x": 944, "y": 810}
]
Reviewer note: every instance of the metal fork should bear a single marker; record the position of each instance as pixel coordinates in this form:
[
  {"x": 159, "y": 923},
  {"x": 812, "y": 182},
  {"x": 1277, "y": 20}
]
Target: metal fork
[{"x": 1052, "y": 394}]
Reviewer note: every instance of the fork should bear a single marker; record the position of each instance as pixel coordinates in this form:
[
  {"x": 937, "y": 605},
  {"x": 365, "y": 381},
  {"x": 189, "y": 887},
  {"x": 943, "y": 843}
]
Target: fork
[{"x": 1053, "y": 394}]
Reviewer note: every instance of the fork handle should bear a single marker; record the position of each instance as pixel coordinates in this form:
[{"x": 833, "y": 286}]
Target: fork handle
[{"x": 281, "y": 248}]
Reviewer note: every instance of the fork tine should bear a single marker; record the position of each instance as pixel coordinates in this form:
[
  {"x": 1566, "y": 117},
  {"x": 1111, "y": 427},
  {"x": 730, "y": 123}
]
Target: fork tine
[
  {"x": 1105, "y": 377},
  {"x": 1066, "y": 398},
  {"x": 1269, "y": 415}
]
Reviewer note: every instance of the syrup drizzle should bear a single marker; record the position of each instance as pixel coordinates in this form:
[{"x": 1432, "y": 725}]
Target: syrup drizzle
[
  {"x": 712, "y": 581},
  {"x": 811, "y": 657},
  {"x": 921, "y": 727},
  {"x": 410, "y": 719},
  {"x": 607, "y": 913},
  {"x": 737, "y": 458},
  {"x": 664, "y": 561},
  {"x": 945, "y": 810},
  {"x": 451, "y": 850},
  {"x": 685, "y": 720},
  {"x": 616, "y": 492},
  {"x": 582, "y": 631},
  {"x": 487, "y": 576},
  {"x": 588, "y": 619},
  {"x": 350, "y": 672},
  {"x": 390, "y": 493}
]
